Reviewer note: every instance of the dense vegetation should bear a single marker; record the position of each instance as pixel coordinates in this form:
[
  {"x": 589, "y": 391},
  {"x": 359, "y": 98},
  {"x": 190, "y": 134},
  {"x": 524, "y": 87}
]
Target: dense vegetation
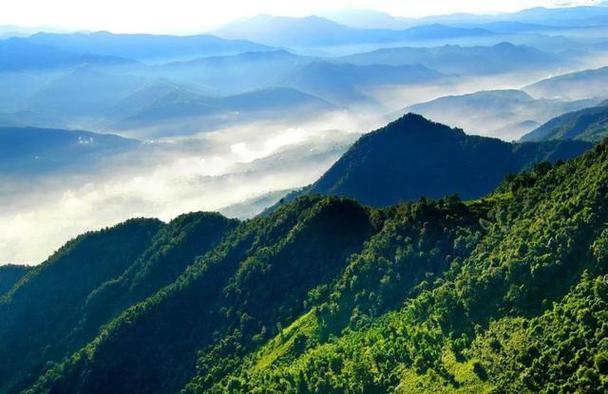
[
  {"x": 413, "y": 157},
  {"x": 502, "y": 294},
  {"x": 589, "y": 124},
  {"x": 60, "y": 305}
]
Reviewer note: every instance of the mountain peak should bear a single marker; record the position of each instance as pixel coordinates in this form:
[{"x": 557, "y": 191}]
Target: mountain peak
[{"x": 413, "y": 122}]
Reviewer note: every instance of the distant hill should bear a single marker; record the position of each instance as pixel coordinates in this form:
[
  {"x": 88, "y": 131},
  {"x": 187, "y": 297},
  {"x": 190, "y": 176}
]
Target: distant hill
[
  {"x": 413, "y": 157},
  {"x": 316, "y": 31},
  {"x": 144, "y": 46},
  {"x": 532, "y": 18},
  {"x": 34, "y": 151},
  {"x": 83, "y": 92},
  {"x": 20, "y": 54},
  {"x": 506, "y": 114},
  {"x": 589, "y": 124},
  {"x": 233, "y": 74},
  {"x": 185, "y": 112},
  {"x": 456, "y": 59},
  {"x": 346, "y": 83},
  {"x": 576, "y": 85},
  {"x": 367, "y": 19}
]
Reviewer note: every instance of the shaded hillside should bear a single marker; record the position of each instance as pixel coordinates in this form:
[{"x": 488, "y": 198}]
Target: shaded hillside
[
  {"x": 230, "y": 288},
  {"x": 61, "y": 304},
  {"x": 10, "y": 275},
  {"x": 40, "y": 313},
  {"x": 413, "y": 157},
  {"x": 589, "y": 124}
]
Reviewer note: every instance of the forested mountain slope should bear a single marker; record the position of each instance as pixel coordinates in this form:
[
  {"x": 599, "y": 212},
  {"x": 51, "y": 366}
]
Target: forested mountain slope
[
  {"x": 9, "y": 275},
  {"x": 60, "y": 305},
  {"x": 503, "y": 294}
]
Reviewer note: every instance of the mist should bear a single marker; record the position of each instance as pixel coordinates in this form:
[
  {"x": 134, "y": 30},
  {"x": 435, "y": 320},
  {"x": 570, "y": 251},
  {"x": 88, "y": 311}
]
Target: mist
[{"x": 163, "y": 179}]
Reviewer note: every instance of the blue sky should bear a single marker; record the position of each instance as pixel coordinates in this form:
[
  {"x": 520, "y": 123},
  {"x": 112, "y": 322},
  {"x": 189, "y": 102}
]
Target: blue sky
[{"x": 189, "y": 16}]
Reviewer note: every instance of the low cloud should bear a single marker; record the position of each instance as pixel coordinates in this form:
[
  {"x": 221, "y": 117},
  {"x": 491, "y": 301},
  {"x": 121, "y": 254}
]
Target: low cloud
[{"x": 167, "y": 178}]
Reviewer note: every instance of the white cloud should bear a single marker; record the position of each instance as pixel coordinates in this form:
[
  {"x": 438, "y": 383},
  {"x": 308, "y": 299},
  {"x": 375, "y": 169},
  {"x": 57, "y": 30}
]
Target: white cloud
[{"x": 227, "y": 167}]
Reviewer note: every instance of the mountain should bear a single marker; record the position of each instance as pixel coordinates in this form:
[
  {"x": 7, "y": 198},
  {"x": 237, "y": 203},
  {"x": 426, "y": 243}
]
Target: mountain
[
  {"x": 565, "y": 16},
  {"x": 314, "y": 31},
  {"x": 507, "y": 114},
  {"x": 367, "y": 19},
  {"x": 589, "y": 124},
  {"x": 144, "y": 46},
  {"x": 35, "y": 152},
  {"x": 346, "y": 83},
  {"x": 456, "y": 59},
  {"x": 413, "y": 157},
  {"x": 577, "y": 85},
  {"x": 234, "y": 74},
  {"x": 83, "y": 94},
  {"x": 534, "y": 18},
  {"x": 506, "y": 293},
  {"x": 19, "y": 86},
  {"x": 19, "y": 54},
  {"x": 10, "y": 275},
  {"x": 60, "y": 287},
  {"x": 182, "y": 112}
]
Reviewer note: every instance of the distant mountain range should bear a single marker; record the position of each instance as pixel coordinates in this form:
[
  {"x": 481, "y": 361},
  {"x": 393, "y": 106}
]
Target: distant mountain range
[
  {"x": 158, "y": 111},
  {"x": 345, "y": 84},
  {"x": 533, "y": 18},
  {"x": 589, "y": 124},
  {"x": 317, "y": 31},
  {"x": 455, "y": 59},
  {"x": 506, "y": 114},
  {"x": 419, "y": 158},
  {"x": 21, "y": 54},
  {"x": 576, "y": 85},
  {"x": 144, "y": 46}
]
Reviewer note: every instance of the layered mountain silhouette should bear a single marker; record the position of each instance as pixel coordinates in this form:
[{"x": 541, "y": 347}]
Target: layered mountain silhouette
[
  {"x": 144, "y": 46},
  {"x": 456, "y": 59},
  {"x": 317, "y": 31}
]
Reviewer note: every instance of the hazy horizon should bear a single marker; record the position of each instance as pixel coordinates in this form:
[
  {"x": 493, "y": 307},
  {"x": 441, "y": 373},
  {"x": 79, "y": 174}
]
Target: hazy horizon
[{"x": 182, "y": 17}]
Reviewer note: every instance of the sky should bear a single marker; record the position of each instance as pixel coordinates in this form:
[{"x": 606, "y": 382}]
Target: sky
[{"x": 194, "y": 16}]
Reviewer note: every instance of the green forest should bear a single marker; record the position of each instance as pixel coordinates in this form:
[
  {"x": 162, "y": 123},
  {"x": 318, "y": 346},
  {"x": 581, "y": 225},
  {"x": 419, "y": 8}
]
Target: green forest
[{"x": 503, "y": 294}]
